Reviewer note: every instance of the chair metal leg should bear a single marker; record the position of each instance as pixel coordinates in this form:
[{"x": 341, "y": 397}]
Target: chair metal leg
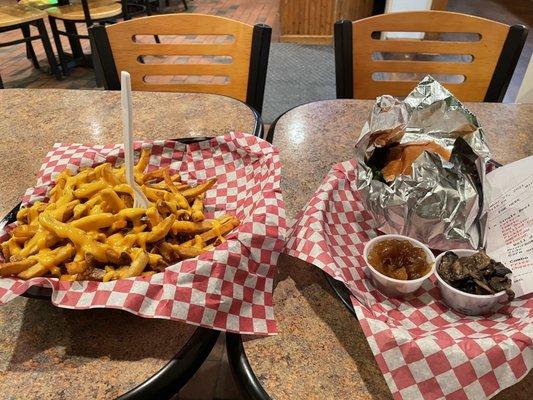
[
  {"x": 59, "y": 46},
  {"x": 98, "y": 69},
  {"x": 43, "y": 33},
  {"x": 30, "y": 52},
  {"x": 28, "y": 56},
  {"x": 148, "y": 7},
  {"x": 75, "y": 43},
  {"x": 185, "y": 4}
]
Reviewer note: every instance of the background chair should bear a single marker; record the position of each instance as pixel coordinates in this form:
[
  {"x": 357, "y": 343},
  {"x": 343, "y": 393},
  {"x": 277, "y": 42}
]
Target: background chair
[
  {"x": 86, "y": 12},
  {"x": 153, "y": 6},
  {"x": 22, "y": 17},
  {"x": 481, "y": 68},
  {"x": 238, "y": 53}
]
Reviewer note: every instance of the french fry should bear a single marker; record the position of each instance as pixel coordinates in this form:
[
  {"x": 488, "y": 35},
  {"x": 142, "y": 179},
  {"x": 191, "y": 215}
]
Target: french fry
[
  {"x": 178, "y": 198},
  {"x": 131, "y": 214},
  {"x": 166, "y": 207},
  {"x": 89, "y": 189},
  {"x": 76, "y": 267},
  {"x": 14, "y": 268},
  {"x": 94, "y": 222},
  {"x": 143, "y": 161},
  {"x": 14, "y": 247},
  {"x": 197, "y": 207},
  {"x": 191, "y": 227},
  {"x": 105, "y": 171},
  {"x": 110, "y": 197},
  {"x": 25, "y": 231},
  {"x": 157, "y": 233},
  {"x": 68, "y": 277},
  {"x": 34, "y": 271},
  {"x": 136, "y": 268},
  {"x": 50, "y": 258},
  {"x": 224, "y": 228},
  {"x": 47, "y": 259},
  {"x": 198, "y": 242},
  {"x": 97, "y": 209},
  {"x": 118, "y": 225},
  {"x": 65, "y": 211},
  {"x": 80, "y": 210},
  {"x": 185, "y": 252},
  {"x": 163, "y": 185},
  {"x": 42, "y": 239},
  {"x": 156, "y": 173},
  {"x": 153, "y": 215},
  {"x": 199, "y": 189},
  {"x": 153, "y": 194},
  {"x": 5, "y": 249},
  {"x": 123, "y": 188}
]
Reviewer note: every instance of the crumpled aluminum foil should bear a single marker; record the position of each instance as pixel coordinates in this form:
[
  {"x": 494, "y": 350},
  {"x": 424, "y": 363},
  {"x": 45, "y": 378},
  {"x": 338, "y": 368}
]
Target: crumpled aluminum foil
[{"x": 439, "y": 204}]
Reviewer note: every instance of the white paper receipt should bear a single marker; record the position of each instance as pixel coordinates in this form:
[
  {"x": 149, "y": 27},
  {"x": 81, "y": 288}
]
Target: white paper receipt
[{"x": 509, "y": 234}]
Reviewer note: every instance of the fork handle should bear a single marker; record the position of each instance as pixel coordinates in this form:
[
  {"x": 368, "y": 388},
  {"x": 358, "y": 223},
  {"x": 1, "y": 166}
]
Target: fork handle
[{"x": 127, "y": 124}]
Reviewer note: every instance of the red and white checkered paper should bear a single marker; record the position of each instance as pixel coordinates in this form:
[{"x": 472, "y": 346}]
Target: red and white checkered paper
[
  {"x": 424, "y": 349},
  {"x": 228, "y": 288}
]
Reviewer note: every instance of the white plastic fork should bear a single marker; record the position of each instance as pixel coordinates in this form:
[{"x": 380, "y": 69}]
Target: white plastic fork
[{"x": 139, "y": 199}]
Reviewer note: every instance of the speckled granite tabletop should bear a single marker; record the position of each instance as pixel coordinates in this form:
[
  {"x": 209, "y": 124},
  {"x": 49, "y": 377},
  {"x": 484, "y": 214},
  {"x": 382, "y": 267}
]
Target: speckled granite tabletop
[
  {"x": 52, "y": 353},
  {"x": 321, "y": 352}
]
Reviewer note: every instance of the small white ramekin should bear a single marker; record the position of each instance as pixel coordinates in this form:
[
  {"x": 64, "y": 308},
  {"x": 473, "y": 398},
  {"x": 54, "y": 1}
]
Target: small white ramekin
[
  {"x": 396, "y": 287},
  {"x": 466, "y": 303}
]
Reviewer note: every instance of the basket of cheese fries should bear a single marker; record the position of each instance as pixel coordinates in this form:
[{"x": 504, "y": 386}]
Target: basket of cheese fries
[{"x": 204, "y": 250}]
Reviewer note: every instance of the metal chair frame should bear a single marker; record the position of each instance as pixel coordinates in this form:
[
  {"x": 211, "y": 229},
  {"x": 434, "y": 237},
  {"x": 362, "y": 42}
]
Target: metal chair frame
[{"x": 28, "y": 39}]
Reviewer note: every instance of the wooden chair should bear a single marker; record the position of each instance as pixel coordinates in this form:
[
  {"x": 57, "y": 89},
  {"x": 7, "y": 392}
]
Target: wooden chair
[
  {"x": 22, "y": 17},
  {"x": 487, "y": 63},
  {"x": 86, "y": 12},
  {"x": 119, "y": 48}
]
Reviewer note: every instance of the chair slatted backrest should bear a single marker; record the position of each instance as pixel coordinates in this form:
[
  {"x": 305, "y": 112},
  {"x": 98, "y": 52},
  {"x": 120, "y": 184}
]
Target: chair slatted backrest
[
  {"x": 481, "y": 68},
  {"x": 244, "y": 47}
]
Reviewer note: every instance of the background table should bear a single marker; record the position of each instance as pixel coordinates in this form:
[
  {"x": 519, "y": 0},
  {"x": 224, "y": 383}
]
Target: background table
[
  {"x": 321, "y": 351},
  {"x": 48, "y": 352}
]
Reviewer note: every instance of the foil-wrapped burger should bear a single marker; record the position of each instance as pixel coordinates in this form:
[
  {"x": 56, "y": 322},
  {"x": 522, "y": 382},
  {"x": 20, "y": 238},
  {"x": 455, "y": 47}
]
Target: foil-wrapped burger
[{"x": 421, "y": 164}]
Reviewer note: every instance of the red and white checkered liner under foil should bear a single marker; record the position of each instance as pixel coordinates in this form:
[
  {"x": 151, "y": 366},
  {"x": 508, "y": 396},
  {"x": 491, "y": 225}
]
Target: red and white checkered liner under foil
[
  {"x": 424, "y": 349},
  {"x": 228, "y": 288}
]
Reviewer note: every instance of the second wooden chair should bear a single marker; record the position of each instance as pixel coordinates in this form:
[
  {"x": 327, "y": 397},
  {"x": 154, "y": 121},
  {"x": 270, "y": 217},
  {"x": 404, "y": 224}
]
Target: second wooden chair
[
  {"x": 243, "y": 48},
  {"x": 364, "y": 52},
  {"x": 83, "y": 12}
]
